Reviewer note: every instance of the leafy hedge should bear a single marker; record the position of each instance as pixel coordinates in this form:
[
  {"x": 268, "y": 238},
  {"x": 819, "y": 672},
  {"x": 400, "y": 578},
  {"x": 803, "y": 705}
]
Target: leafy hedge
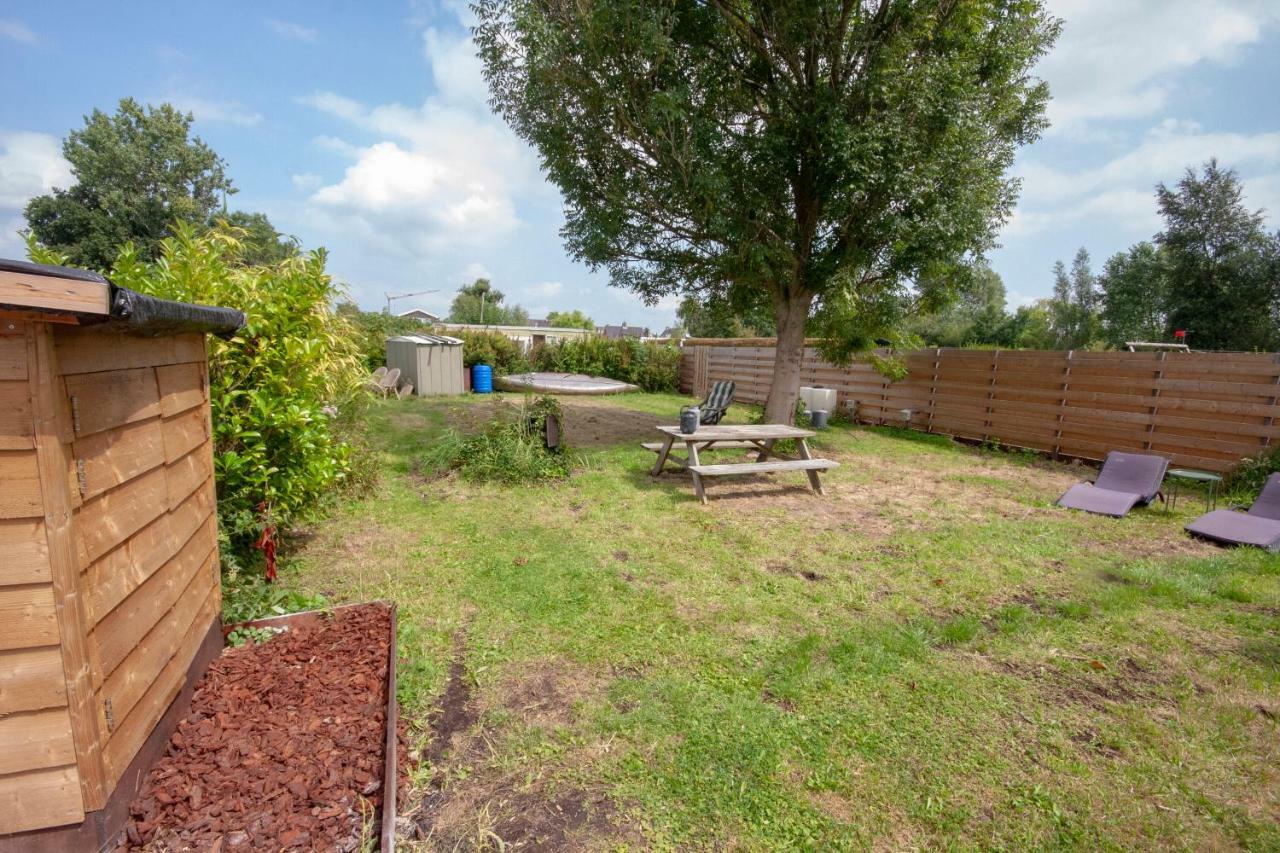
[
  {"x": 494, "y": 349},
  {"x": 652, "y": 366},
  {"x": 285, "y": 390}
]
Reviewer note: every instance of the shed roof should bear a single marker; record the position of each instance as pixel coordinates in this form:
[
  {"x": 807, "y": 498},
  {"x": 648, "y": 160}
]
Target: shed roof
[
  {"x": 429, "y": 340},
  {"x": 90, "y": 298}
]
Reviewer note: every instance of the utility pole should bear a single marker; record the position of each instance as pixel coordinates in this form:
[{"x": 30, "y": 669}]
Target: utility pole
[{"x": 392, "y": 296}]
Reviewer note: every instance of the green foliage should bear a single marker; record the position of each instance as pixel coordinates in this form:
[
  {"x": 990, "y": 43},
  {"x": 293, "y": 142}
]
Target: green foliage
[
  {"x": 137, "y": 173},
  {"x": 652, "y": 366},
  {"x": 260, "y": 243},
  {"x": 794, "y": 154},
  {"x": 976, "y": 317},
  {"x": 495, "y": 349},
  {"x": 1073, "y": 308},
  {"x": 574, "y": 319},
  {"x": 270, "y": 384},
  {"x": 508, "y": 451},
  {"x": 1223, "y": 267},
  {"x": 478, "y": 303},
  {"x": 245, "y": 598},
  {"x": 735, "y": 315},
  {"x": 371, "y": 330},
  {"x": 1134, "y": 293},
  {"x": 1246, "y": 480}
]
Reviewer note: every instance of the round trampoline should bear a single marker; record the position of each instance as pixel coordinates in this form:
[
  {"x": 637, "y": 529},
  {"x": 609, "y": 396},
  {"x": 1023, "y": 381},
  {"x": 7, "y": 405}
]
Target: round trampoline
[{"x": 562, "y": 383}]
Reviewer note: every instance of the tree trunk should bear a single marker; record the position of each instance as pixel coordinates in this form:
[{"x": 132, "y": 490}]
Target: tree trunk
[{"x": 792, "y": 313}]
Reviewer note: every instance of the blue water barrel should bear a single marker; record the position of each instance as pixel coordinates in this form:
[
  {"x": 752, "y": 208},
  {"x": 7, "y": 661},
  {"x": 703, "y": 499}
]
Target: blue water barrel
[{"x": 482, "y": 379}]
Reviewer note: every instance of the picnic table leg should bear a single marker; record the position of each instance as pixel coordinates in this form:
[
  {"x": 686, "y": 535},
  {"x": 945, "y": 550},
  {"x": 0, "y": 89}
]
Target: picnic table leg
[
  {"x": 697, "y": 478},
  {"x": 662, "y": 456},
  {"x": 814, "y": 482},
  {"x": 765, "y": 450}
]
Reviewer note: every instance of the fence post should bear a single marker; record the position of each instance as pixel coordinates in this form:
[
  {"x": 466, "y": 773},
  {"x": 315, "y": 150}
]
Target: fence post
[
  {"x": 933, "y": 387},
  {"x": 700, "y": 361},
  {"x": 1062, "y": 405},
  {"x": 991, "y": 393},
  {"x": 1154, "y": 409},
  {"x": 1270, "y": 419}
]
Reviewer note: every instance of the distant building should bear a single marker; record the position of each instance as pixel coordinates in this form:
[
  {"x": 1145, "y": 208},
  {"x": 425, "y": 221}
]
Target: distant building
[
  {"x": 527, "y": 336},
  {"x": 420, "y": 315},
  {"x": 614, "y": 333},
  {"x": 538, "y": 324}
]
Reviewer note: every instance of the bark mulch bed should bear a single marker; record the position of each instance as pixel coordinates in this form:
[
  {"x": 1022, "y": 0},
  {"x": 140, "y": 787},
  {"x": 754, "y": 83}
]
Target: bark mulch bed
[{"x": 283, "y": 746}]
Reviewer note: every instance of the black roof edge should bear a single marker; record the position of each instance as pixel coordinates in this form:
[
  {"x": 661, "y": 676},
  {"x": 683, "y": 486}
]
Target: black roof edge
[{"x": 149, "y": 315}]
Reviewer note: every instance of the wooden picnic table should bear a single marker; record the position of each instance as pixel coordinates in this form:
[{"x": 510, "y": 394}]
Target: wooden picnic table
[{"x": 758, "y": 437}]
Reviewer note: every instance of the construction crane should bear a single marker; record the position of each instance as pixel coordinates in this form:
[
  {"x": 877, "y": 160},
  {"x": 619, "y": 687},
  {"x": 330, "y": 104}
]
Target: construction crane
[{"x": 393, "y": 296}]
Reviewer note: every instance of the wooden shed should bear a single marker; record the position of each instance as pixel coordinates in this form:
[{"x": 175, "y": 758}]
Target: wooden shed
[{"x": 109, "y": 585}]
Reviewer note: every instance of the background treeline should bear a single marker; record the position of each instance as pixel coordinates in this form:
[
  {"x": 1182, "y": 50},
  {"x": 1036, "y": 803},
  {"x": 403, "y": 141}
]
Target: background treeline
[{"x": 1213, "y": 271}]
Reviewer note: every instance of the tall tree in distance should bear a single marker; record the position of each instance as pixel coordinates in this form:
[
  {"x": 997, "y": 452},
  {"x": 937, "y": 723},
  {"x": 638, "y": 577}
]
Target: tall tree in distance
[
  {"x": 137, "y": 173},
  {"x": 574, "y": 319},
  {"x": 1073, "y": 308},
  {"x": 480, "y": 303},
  {"x": 262, "y": 244},
  {"x": 1221, "y": 263},
  {"x": 819, "y": 156},
  {"x": 1134, "y": 292},
  {"x": 719, "y": 316}
]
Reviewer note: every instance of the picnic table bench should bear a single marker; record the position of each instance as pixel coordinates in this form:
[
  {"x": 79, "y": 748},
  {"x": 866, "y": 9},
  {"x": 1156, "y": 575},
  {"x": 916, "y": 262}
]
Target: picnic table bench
[{"x": 759, "y": 437}]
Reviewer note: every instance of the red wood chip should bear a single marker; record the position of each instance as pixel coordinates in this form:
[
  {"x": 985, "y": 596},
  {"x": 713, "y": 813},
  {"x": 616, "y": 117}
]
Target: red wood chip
[{"x": 282, "y": 742}]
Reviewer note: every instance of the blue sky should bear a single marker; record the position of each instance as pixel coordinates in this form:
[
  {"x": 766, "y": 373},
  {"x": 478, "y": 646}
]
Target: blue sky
[{"x": 364, "y": 128}]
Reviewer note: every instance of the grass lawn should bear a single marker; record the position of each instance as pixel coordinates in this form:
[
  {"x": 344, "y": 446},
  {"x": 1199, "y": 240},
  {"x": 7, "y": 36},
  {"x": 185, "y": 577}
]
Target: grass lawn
[{"x": 931, "y": 656}]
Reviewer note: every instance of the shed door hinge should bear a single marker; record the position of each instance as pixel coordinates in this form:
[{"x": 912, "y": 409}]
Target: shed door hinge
[
  {"x": 82, "y": 478},
  {"x": 109, "y": 714},
  {"x": 75, "y": 414}
]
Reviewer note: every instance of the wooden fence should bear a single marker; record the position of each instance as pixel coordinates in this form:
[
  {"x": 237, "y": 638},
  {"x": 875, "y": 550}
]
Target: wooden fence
[{"x": 1204, "y": 410}]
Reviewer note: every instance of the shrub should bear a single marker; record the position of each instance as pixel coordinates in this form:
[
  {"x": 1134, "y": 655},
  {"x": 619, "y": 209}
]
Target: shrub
[
  {"x": 509, "y": 451},
  {"x": 278, "y": 454},
  {"x": 1246, "y": 480},
  {"x": 652, "y": 366},
  {"x": 494, "y": 349},
  {"x": 371, "y": 330}
]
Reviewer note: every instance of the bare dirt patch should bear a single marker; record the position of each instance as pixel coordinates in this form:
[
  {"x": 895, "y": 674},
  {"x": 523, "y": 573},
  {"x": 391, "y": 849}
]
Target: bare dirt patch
[{"x": 472, "y": 803}]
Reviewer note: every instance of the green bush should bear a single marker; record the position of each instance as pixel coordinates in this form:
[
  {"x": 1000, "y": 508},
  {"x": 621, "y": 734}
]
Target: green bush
[
  {"x": 652, "y": 366},
  {"x": 494, "y": 349},
  {"x": 507, "y": 450},
  {"x": 1246, "y": 480},
  {"x": 285, "y": 390},
  {"x": 371, "y": 330}
]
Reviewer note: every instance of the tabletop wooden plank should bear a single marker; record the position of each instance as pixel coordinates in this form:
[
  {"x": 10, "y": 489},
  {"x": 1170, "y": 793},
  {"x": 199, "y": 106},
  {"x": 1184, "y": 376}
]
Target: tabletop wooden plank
[{"x": 742, "y": 432}]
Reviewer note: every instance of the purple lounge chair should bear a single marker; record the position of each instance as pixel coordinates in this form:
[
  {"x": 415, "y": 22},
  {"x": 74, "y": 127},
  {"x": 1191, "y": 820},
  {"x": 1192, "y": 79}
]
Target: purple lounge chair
[
  {"x": 1125, "y": 481},
  {"x": 1260, "y": 526}
]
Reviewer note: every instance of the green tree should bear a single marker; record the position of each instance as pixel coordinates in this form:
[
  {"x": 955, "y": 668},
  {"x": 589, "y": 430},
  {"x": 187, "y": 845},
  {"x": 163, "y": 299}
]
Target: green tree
[
  {"x": 820, "y": 154},
  {"x": 1029, "y": 327},
  {"x": 138, "y": 172},
  {"x": 480, "y": 303},
  {"x": 1073, "y": 308},
  {"x": 261, "y": 244},
  {"x": 1221, "y": 263},
  {"x": 719, "y": 316},
  {"x": 1134, "y": 293},
  {"x": 976, "y": 317},
  {"x": 574, "y": 319}
]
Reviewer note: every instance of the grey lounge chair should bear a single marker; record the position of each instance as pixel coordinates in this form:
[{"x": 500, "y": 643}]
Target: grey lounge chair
[
  {"x": 717, "y": 403},
  {"x": 1260, "y": 526},
  {"x": 1125, "y": 481}
]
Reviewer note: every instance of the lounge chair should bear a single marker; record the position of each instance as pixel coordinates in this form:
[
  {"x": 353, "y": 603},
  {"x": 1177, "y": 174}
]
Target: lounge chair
[
  {"x": 1260, "y": 526},
  {"x": 717, "y": 403},
  {"x": 1125, "y": 481}
]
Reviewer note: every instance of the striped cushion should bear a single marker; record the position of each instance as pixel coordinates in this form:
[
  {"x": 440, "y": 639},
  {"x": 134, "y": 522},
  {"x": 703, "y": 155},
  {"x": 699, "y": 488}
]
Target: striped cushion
[{"x": 713, "y": 408}]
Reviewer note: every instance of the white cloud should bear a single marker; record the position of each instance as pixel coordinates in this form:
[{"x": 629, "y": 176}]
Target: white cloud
[
  {"x": 12, "y": 28},
  {"x": 306, "y": 181},
  {"x": 31, "y": 164},
  {"x": 292, "y": 31},
  {"x": 475, "y": 270},
  {"x": 229, "y": 112},
  {"x": 545, "y": 290},
  {"x": 444, "y": 174},
  {"x": 1122, "y": 191},
  {"x": 1119, "y": 60}
]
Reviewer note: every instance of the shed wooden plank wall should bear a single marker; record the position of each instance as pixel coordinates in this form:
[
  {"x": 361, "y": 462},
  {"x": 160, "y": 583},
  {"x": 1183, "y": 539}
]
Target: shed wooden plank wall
[
  {"x": 40, "y": 783},
  {"x": 1205, "y": 410},
  {"x": 143, "y": 469}
]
